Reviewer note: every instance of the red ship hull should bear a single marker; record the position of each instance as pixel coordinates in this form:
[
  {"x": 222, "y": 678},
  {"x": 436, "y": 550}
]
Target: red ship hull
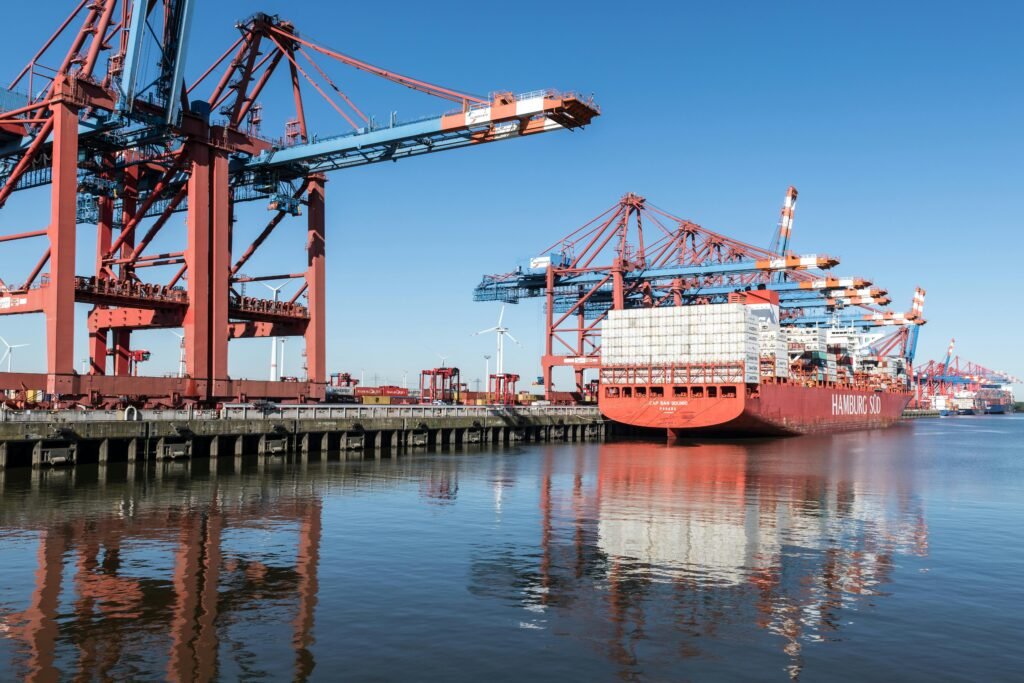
[{"x": 774, "y": 410}]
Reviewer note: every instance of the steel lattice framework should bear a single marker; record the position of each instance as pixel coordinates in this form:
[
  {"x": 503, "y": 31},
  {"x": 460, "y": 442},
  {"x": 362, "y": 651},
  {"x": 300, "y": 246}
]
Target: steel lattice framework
[
  {"x": 125, "y": 143},
  {"x": 952, "y": 374},
  {"x": 635, "y": 254}
]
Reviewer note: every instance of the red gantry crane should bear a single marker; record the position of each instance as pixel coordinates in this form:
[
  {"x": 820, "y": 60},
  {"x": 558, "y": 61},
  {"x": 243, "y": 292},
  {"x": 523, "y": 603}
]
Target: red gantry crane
[
  {"x": 952, "y": 375},
  {"x": 637, "y": 255},
  {"x": 125, "y": 143}
]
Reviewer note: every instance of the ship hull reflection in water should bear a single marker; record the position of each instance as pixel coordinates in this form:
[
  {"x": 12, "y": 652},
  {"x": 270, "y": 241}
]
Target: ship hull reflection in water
[{"x": 658, "y": 554}]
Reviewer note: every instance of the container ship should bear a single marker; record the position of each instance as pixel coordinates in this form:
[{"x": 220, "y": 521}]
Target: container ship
[
  {"x": 732, "y": 369},
  {"x": 965, "y": 402},
  {"x": 994, "y": 399}
]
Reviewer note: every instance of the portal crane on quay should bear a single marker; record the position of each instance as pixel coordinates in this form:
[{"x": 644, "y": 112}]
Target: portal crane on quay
[
  {"x": 635, "y": 254},
  {"x": 125, "y": 143},
  {"x": 952, "y": 374}
]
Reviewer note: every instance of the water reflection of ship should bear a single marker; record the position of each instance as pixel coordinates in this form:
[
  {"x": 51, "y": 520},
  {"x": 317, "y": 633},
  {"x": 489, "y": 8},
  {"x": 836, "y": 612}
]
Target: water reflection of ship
[
  {"x": 109, "y": 551},
  {"x": 715, "y": 541}
]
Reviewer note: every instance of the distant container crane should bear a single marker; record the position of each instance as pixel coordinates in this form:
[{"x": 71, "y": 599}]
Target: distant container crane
[
  {"x": 939, "y": 382},
  {"x": 126, "y": 147},
  {"x": 637, "y": 255}
]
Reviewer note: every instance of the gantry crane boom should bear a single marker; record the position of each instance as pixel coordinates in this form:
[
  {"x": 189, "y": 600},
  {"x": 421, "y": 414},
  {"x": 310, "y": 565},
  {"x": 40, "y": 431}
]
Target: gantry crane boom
[
  {"x": 495, "y": 289},
  {"x": 527, "y": 114}
]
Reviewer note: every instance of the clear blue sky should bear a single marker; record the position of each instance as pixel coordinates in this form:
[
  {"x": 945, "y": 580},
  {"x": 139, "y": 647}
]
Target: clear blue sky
[{"x": 900, "y": 124}]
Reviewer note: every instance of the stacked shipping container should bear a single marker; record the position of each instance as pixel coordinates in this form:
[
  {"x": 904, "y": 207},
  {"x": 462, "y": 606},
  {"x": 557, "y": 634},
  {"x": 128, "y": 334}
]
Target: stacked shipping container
[{"x": 713, "y": 334}]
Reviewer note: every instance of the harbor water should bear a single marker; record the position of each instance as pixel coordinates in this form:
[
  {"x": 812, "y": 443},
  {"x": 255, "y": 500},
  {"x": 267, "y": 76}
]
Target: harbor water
[{"x": 876, "y": 555}]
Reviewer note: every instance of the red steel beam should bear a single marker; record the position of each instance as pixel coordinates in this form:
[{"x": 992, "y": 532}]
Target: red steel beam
[
  {"x": 23, "y": 235},
  {"x": 104, "y": 235},
  {"x": 38, "y": 268},
  {"x": 59, "y": 296},
  {"x": 178, "y": 275},
  {"x": 274, "y": 222},
  {"x": 258, "y": 88},
  {"x": 160, "y": 222},
  {"x": 213, "y": 66},
  {"x": 302, "y": 290},
  {"x": 155, "y": 262},
  {"x": 242, "y": 87},
  {"x": 316, "y": 276},
  {"x": 129, "y": 206},
  {"x": 336, "y": 89},
  {"x": 47, "y": 44},
  {"x": 180, "y": 158},
  {"x": 268, "y": 278},
  {"x": 25, "y": 161},
  {"x": 220, "y": 266},
  {"x": 295, "y": 85},
  {"x": 414, "y": 84},
  {"x": 232, "y": 67},
  {"x": 98, "y": 35},
  {"x": 197, "y": 254}
]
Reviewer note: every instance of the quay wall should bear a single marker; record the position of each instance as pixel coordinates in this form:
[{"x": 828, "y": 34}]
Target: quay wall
[{"x": 46, "y": 438}]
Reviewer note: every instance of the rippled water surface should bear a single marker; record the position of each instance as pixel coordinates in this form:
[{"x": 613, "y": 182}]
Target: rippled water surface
[{"x": 889, "y": 555}]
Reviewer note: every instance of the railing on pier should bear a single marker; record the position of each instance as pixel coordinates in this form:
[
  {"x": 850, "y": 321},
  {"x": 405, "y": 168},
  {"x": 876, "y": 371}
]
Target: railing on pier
[{"x": 294, "y": 412}]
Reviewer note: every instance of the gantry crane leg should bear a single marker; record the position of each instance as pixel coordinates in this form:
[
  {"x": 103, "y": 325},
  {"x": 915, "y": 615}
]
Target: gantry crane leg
[
  {"x": 316, "y": 286},
  {"x": 59, "y": 297}
]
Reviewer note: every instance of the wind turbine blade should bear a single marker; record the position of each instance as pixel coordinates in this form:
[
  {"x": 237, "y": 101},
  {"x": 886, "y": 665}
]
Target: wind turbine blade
[
  {"x": 509, "y": 335},
  {"x": 5, "y": 342},
  {"x": 489, "y": 329},
  {"x": 501, "y": 316},
  {"x": 4, "y": 357},
  {"x": 17, "y": 346}
]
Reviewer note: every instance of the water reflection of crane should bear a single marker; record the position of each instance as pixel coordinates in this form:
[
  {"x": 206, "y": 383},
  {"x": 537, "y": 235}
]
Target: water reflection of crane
[
  {"x": 714, "y": 540},
  {"x": 206, "y": 592}
]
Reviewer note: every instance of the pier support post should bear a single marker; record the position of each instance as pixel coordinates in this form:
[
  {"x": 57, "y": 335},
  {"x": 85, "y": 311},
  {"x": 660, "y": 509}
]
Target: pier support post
[{"x": 3, "y": 456}]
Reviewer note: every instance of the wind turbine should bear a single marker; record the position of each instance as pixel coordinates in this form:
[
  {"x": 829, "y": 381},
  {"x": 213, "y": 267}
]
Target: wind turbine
[
  {"x": 501, "y": 333},
  {"x": 274, "y": 375},
  {"x": 181, "y": 352},
  {"x": 9, "y": 354},
  {"x": 283, "y": 340}
]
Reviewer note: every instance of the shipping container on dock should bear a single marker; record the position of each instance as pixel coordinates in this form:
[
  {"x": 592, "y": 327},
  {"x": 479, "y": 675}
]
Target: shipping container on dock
[
  {"x": 733, "y": 369},
  {"x": 386, "y": 390}
]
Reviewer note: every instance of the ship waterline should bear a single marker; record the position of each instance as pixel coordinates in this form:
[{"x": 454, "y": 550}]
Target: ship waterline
[{"x": 771, "y": 409}]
